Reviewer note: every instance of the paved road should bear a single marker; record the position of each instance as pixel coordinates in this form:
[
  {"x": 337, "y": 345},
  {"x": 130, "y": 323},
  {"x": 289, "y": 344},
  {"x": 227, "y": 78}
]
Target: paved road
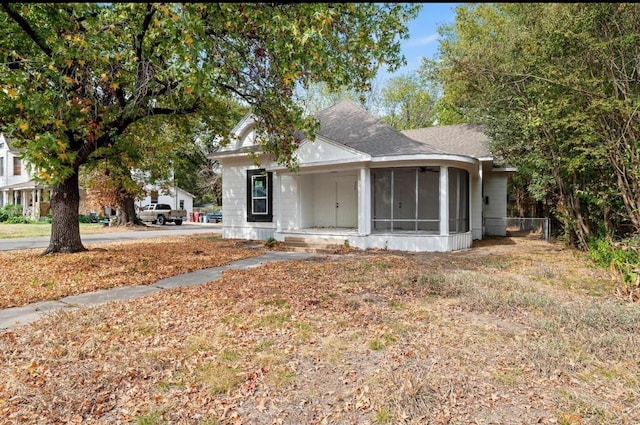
[{"x": 151, "y": 232}]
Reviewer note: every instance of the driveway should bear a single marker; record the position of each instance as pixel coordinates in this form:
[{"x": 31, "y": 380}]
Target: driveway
[{"x": 152, "y": 231}]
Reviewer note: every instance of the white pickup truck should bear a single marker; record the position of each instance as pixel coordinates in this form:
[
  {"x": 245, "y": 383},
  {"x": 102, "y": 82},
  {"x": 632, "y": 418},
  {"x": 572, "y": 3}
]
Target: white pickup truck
[{"x": 161, "y": 214}]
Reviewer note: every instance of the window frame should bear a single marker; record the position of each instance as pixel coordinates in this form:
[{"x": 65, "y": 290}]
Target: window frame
[
  {"x": 252, "y": 176},
  {"x": 17, "y": 170}
]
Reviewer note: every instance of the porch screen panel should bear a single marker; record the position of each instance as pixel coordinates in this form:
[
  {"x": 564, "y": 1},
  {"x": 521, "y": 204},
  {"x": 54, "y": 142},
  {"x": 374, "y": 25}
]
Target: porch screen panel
[
  {"x": 381, "y": 181},
  {"x": 458, "y": 200},
  {"x": 429, "y": 199},
  {"x": 404, "y": 199}
]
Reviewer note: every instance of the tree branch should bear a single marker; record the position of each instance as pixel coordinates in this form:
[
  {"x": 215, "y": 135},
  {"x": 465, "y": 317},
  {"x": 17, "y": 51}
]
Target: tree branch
[
  {"x": 22, "y": 23},
  {"x": 139, "y": 39}
]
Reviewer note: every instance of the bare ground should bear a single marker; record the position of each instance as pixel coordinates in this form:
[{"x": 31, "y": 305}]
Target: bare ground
[{"x": 512, "y": 331}]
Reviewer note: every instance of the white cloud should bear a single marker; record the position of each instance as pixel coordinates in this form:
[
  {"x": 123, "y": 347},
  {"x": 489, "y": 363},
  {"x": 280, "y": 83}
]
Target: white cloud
[{"x": 424, "y": 40}]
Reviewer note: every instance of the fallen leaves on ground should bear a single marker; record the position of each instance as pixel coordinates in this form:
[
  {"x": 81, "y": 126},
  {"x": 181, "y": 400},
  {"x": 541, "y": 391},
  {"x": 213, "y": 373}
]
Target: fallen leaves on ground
[
  {"x": 27, "y": 276},
  {"x": 493, "y": 335}
]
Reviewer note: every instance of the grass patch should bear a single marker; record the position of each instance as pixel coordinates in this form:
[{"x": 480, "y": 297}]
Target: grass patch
[
  {"x": 406, "y": 338},
  {"x": 42, "y": 229},
  {"x": 274, "y": 320},
  {"x": 154, "y": 417},
  {"x": 219, "y": 378}
]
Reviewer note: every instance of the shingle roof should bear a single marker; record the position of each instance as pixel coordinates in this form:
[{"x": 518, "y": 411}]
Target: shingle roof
[
  {"x": 460, "y": 139},
  {"x": 349, "y": 124}
]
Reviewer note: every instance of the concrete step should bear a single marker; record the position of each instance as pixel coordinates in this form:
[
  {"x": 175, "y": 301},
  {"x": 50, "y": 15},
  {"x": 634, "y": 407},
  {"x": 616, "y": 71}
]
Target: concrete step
[{"x": 318, "y": 245}]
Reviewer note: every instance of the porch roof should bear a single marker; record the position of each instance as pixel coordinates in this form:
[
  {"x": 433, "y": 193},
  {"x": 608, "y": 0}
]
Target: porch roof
[{"x": 31, "y": 184}]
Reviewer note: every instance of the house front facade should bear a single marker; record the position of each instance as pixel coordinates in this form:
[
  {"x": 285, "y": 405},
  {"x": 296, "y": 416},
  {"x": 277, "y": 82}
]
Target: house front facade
[
  {"x": 18, "y": 188},
  {"x": 363, "y": 182}
]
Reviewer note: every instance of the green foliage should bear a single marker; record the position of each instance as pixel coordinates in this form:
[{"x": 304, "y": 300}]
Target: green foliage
[
  {"x": 18, "y": 219},
  {"x": 10, "y": 212},
  {"x": 84, "y": 218},
  {"x": 114, "y": 84},
  {"x": 623, "y": 261},
  {"x": 408, "y": 103},
  {"x": 271, "y": 243},
  {"x": 603, "y": 253},
  {"x": 551, "y": 84}
]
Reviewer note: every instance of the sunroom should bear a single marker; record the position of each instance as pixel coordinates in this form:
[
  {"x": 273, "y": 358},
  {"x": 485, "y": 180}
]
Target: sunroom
[{"x": 399, "y": 207}]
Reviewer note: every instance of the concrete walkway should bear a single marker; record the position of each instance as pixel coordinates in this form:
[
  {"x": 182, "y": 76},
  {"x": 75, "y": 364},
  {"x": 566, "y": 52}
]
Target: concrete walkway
[{"x": 17, "y": 316}]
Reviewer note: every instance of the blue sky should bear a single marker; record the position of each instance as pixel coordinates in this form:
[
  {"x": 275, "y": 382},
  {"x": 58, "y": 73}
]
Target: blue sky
[{"x": 423, "y": 35}]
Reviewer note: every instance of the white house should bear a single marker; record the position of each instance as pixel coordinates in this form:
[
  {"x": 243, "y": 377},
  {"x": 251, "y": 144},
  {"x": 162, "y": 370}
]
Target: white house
[
  {"x": 17, "y": 186},
  {"x": 363, "y": 182}
]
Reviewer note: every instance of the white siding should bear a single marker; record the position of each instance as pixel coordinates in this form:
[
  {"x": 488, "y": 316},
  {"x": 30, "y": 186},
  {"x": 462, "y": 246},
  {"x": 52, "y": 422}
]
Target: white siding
[
  {"x": 286, "y": 204},
  {"x": 8, "y": 179},
  {"x": 234, "y": 204},
  {"x": 495, "y": 203},
  {"x": 234, "y": 194},
  {"x": 307, "y": 200},
  {"x": 320, "y": 151}
]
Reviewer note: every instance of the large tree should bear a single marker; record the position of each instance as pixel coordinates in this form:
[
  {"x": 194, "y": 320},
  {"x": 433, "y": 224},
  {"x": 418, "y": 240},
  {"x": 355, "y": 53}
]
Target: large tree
[
  {"x": 75, "y": 77},
  {"x": 555, "y": 84},
  {"x": 408, "y": 102}
]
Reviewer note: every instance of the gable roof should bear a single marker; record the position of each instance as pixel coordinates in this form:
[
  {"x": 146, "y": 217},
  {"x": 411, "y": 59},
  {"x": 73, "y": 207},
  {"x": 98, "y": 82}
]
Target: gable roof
[
  {"x": 349, "y": 124},
  {"x": 460, "y": 139}
]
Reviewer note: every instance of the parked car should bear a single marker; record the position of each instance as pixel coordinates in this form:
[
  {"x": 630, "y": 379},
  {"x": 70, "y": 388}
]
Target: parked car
[{"x": 214, "y": 217}]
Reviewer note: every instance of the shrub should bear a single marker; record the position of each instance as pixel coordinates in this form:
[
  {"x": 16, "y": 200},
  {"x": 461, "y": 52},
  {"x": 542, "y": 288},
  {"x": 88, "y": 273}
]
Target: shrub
[
  {"x": 84, "y": 218},
  {"x": 9, "y": 211},
  {"x": 18, "y": 219},
  {"x": 603, "y": 253},
  {"x": 623, "y": 261}
]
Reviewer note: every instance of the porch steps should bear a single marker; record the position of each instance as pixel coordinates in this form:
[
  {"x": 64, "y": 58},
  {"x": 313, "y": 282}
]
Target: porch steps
[{"x": 319, "y": 245}]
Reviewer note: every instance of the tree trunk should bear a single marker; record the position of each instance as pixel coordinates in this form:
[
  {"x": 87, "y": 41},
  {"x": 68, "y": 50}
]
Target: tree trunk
[
  {"x": 127, "y": 213},
  {"x": 65, "y": 227}
]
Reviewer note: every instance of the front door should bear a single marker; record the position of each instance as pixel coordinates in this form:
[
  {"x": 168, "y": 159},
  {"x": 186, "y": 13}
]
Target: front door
[
  {"x": 346, "y": 191},
  {"x": 335, "y": 200}
]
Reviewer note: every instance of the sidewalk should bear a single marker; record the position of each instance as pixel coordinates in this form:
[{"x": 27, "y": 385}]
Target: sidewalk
[{"x": 17, "y": 316}]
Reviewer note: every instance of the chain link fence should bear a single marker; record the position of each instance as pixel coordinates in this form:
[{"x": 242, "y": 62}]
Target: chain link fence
[{"x": 518, "y": 227}]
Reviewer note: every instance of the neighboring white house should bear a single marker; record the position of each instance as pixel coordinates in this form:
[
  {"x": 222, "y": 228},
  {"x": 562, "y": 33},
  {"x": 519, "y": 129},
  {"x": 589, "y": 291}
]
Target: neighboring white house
[
  {"x": 17, "y": 187},
  {"x": 366, "y": 183},
  {"x": 176, "y": 197}
]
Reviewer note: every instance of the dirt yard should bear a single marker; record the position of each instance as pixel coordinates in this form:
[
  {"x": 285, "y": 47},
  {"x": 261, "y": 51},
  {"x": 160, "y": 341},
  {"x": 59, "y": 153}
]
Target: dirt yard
[{"x": 512, "y": 331}]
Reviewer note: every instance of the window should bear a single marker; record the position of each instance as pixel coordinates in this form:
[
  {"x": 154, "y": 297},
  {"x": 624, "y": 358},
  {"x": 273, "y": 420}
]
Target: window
[
  {"x": 154, "y": 196},
  {"x": 1, "y": 166},
  {"x": 259, "y": 199},
  {"x": 17, "y": 166},
  {"x": 181, "y": 204}
]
